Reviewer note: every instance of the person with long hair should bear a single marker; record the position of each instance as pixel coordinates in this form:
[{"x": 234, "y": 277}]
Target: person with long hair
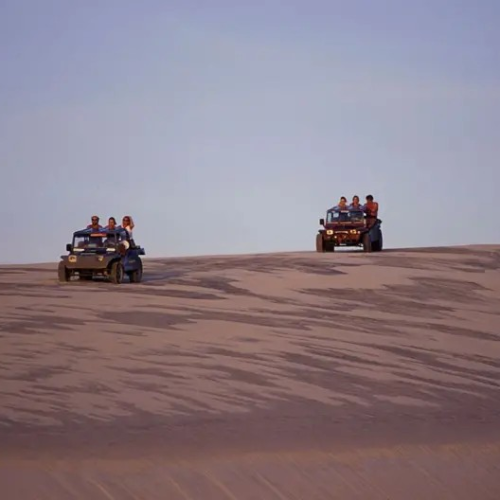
[
  {"x": 355, "y": 205},
  {"x": 111, "y": 223},
  {"x": 128, "y": 224}
]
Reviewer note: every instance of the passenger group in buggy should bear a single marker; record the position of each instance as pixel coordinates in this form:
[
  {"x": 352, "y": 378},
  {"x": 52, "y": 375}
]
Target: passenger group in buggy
[{"x": 127, "y": 224}]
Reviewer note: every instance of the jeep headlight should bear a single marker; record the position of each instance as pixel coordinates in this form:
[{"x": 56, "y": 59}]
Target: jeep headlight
[
  {"x": 72, "y": 258},
  {"x": 100, "y": 258},
  {"x": 329, "y": 231}
]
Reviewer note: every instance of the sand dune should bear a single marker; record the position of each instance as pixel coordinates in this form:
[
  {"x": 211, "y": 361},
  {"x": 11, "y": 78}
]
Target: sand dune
[{"x": 271, "y": 376}]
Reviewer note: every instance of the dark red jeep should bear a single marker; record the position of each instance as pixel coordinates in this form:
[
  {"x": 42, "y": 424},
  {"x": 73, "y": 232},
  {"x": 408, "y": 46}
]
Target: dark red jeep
[{"x": 349, "y": 228}]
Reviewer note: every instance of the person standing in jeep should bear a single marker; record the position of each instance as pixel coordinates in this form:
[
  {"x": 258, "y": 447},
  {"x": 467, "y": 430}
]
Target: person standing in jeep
[{"x": 371, "y": 210}]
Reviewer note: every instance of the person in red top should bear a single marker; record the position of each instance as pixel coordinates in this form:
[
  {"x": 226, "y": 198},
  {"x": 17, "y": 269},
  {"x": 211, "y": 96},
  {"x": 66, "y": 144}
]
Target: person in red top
[
  {"x": 371, "y": 210},
  {"x": 371, "y": 206}
]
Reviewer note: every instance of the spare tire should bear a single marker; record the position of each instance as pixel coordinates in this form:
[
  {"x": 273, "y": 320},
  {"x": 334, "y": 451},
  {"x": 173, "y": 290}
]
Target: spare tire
[
  {"x": 367, "y": 243},
  {"x": 123, "y": 246}
]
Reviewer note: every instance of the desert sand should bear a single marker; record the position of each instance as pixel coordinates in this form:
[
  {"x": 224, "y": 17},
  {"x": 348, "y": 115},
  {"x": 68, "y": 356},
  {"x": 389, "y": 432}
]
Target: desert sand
[{"x": 271, "y": 376}]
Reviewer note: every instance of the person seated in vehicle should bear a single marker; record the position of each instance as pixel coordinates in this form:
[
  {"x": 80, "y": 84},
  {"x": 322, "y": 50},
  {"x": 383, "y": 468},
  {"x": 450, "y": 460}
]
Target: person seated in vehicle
[
  {"x": 95, "y": 224},
  {"x": 357, "y": 217},
  {"x": 95, "y": 242},
  {"x": 355, "y": 205},
  {"x": 111, "y": 223},
  {"x": 371, "y": 210},
  {"x": 82, "y": 243},
  {"x": 110, "y": 240},
  {"x": 342, "y": 205}
]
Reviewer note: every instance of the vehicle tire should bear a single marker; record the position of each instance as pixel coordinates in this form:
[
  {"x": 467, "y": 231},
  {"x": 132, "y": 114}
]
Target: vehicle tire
[
  {"x": 380, "y": 243},
  {"x": 377, "y": 245},
  {"x": 367, "y": 243},
  {"x": 136, "y": 276},
  {"x": 116, "y": 272},
  {"x": 320, "y": 244},
  {"x": 63, "y": 273}
]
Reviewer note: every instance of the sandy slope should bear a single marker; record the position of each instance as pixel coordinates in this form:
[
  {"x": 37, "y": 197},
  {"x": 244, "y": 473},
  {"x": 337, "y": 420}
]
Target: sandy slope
[{"x": 280, "y": 376}]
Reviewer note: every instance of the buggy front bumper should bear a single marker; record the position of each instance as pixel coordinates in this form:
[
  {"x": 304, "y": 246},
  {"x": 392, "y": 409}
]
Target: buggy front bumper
[{"x": 97, "y": 262}]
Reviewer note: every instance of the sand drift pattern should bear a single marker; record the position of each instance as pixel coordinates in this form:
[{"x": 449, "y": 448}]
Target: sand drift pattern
[{"x": 266, "y": 353}]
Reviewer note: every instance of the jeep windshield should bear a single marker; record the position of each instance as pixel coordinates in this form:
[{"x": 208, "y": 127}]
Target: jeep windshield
[
  {"x": 96, "y": 241},
  {"x": 354, "y": 216}
]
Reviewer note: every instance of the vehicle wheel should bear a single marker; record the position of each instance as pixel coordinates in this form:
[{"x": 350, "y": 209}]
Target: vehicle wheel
[
  {"x": 136, "y": 276},
  {"x": 380, "y": 243},
  {"x": 63, "y": 273},
  {"x": 367, "y": 243},
  {"x": 377, "y": 245},
  {"x": 320, "y": 244},
  {"x": 116, "y": 272}
]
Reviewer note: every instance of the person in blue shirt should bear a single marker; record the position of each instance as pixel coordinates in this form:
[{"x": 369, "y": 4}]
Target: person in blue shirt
[
  {"x": 355, "y": 205},
  {"x": 342, "y": 205}
]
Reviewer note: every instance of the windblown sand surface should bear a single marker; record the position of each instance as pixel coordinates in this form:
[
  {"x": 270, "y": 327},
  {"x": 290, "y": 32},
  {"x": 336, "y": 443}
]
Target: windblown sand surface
[{"x": 280, "y": 376}]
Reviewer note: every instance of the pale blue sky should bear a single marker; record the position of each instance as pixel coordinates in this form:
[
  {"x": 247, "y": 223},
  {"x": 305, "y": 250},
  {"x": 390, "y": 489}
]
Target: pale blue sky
[{"x": 227, "y": 126}]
